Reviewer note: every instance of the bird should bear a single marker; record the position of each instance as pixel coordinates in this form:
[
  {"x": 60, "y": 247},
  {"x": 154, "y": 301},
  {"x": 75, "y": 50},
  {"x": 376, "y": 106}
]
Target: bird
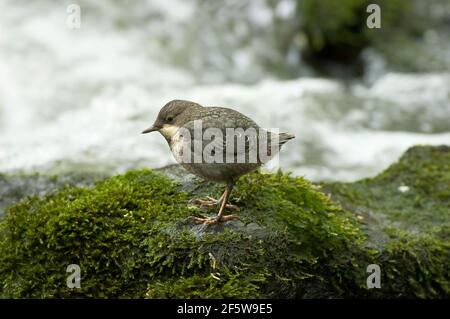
[{"x": 214, "y": 143}]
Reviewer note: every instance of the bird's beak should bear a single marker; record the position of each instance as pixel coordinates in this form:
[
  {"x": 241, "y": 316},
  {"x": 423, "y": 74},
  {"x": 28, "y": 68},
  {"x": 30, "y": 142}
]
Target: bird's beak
[{"x": 150, "y": 129}]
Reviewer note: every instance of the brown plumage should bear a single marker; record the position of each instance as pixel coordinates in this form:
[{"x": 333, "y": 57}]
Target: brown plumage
[{"x": 178, "y": 120}]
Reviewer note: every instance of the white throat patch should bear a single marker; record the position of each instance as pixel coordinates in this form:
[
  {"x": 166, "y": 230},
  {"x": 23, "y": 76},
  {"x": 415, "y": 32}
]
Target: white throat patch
[{"x": 168, "y": 131}]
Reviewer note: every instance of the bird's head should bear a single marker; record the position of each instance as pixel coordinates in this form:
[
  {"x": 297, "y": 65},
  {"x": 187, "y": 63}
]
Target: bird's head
[{"x": 171, "y": 117}]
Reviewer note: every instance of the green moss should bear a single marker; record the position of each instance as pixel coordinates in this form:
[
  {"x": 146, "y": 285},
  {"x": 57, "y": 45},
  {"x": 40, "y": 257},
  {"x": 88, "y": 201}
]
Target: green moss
[
  {"x": 416, "y": 266},
  {"x": 217, "y": 285},
  {"x": 337, "y": 30},
  {"x": 333, "y": 29},
  {"x": 410, "y": 228},
  {"x": 423, "y": 205},
  {"x": 132, "y": 237},
  {"x": 40, "y": 237}
]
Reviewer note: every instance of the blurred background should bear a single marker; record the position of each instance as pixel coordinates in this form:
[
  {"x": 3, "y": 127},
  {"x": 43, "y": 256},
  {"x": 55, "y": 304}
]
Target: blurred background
[{"x": 356, "y": 98}]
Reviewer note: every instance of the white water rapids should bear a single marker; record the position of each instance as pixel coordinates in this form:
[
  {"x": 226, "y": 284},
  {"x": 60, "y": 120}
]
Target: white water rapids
[{"x": 79, "y": 98}]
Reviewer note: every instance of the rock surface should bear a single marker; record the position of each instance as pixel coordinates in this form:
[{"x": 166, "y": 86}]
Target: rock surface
[{"x": 132, "y": 237}]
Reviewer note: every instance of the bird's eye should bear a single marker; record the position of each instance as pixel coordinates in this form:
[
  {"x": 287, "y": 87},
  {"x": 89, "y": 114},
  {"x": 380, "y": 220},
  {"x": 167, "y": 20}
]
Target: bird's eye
[{"x": 169, "y": 119}]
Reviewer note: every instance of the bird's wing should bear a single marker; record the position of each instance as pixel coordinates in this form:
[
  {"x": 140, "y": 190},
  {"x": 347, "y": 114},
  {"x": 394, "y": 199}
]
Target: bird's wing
[{"x": 223, "y": 131}]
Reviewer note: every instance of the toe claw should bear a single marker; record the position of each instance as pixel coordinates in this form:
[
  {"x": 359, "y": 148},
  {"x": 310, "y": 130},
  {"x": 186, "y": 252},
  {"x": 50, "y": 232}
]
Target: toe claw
[
  {"x": 226, "y": 218},
  {"x": 205, "y": 203},
  {"x": 211, "y": 202},
  {"x": 213, "y": 221},
  {"x": 204, "y": 220}
]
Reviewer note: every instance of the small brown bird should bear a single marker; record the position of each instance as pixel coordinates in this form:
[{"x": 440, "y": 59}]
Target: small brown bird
[{"x": 216, "y": 143}]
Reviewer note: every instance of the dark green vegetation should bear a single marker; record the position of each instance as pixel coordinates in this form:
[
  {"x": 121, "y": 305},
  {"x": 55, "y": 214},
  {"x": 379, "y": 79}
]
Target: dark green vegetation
[
  {"x": 131, "y": 236},
  {"x": 342, "y": 32},
  {"x": 412, "y": 194},
  {"x": 316, "y": 38},
  {"x": 336, "y": 31},
  {"x": 406, "y": 209}
]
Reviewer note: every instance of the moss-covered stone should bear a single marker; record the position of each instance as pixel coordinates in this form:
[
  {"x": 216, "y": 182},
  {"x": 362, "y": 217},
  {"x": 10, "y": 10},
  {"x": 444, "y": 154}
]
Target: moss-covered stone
[
  {"x": 15, "y": 186},
  {"x": 415, "y": 266},
  {"x": 405, "y": 211},
  {"x": 132, "y": 237},
  {"x": 412, "y": 194}
]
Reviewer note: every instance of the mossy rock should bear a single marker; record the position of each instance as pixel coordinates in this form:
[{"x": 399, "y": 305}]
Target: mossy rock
[
  {"x": 132, "y": 238},
  {"x": 405, "y": 211},
  {"x": 413, "y": 194},
  {"x": 15, "y": 186}
]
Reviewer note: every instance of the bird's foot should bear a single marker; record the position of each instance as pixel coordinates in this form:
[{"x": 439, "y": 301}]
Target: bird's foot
[
  {"x": 213, "y": 220},
  {"x": 211, "y": 202}
]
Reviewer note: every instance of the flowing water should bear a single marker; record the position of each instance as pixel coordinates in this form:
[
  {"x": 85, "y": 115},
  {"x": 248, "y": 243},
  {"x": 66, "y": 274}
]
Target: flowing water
[{"x": 77, "y": 99}]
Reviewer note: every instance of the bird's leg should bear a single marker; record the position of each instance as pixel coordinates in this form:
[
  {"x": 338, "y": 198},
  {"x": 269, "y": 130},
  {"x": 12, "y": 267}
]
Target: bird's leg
[
  {"x": 211, "y": 202},
  {"x": 220, "y": 216},
  {"x": 226, "y": 195}
]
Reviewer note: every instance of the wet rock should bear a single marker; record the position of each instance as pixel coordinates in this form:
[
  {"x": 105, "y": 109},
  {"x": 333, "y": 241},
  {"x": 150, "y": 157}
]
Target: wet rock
[{"x": 132, "y": 237}]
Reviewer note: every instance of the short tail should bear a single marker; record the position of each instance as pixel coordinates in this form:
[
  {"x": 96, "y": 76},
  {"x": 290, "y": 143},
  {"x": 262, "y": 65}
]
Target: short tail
[{"x": 284, "y": 137}]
